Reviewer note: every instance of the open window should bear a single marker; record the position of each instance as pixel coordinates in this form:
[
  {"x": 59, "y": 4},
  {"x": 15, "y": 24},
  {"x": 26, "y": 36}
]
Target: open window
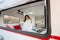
[{"x": 33, "y": 17}]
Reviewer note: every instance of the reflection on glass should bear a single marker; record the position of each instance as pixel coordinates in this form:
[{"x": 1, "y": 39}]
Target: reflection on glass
[
  {"x": 10, "y": 19},
  {"x": 32, "y": 20}
]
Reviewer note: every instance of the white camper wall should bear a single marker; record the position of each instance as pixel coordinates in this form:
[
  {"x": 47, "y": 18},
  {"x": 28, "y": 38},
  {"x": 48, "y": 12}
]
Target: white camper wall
[
  {"x": 7, "y": 35},
  {"x": 55, "y": 17}
]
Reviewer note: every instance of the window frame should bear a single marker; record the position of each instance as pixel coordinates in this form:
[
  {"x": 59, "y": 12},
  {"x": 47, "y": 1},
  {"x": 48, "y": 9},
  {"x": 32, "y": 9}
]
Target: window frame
[{"x": 47, "y": 17}]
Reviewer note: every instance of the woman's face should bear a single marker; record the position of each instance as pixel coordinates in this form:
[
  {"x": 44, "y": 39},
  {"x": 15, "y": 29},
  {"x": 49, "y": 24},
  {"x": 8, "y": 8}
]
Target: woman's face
[{"x": 27, "y": 18}]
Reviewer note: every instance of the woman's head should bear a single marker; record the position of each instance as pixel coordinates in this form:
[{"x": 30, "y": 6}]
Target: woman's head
[{"x": 26, "y": 18}]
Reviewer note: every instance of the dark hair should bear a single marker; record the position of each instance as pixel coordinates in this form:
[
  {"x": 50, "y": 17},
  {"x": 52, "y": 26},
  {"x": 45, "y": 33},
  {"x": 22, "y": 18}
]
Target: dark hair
[{"x": 25, "y": 17}]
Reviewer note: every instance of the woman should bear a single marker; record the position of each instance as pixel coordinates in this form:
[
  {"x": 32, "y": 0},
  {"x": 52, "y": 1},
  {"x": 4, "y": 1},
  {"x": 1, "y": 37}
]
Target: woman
[{"x": 27, "y": 25}]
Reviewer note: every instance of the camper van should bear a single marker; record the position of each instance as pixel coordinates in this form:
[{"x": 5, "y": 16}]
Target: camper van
[{"x": 25, "y": 19}]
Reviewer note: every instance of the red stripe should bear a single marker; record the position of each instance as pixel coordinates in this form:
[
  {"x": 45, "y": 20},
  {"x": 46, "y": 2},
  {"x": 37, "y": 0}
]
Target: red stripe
[{"x": 52, "y": 36}]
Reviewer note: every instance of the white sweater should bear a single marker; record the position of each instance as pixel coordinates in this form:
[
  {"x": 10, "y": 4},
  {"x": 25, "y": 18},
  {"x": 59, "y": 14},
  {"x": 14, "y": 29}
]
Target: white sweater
[{"x": 27, "y": 25}]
